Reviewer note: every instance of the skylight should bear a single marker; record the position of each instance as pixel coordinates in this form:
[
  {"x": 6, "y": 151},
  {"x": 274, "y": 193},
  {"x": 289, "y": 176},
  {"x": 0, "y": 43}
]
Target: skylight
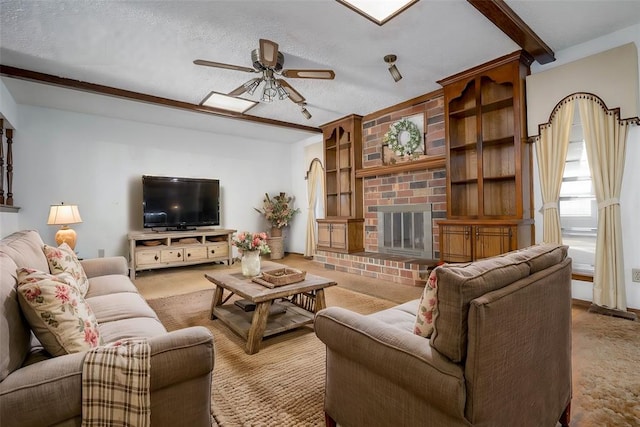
[{"x": 378, "y": 11}]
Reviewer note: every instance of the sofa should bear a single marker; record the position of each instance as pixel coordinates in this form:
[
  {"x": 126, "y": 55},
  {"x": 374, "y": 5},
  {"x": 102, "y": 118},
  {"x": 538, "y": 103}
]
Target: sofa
[
  {"x": 499, "y": 353},
  {"x": 38, "y": 389}
]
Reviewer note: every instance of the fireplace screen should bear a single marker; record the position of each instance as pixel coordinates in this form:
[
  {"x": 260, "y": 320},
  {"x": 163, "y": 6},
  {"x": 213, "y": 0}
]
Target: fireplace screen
[{"x": 405, "y": 230}]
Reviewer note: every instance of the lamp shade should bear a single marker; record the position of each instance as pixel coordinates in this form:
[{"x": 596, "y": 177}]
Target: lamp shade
[{"x": 64, "y": 215}]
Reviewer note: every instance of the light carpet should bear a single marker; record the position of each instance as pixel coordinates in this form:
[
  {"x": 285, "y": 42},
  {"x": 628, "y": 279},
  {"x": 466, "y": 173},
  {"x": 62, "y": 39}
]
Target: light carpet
[{"x": 283, "y": 384}]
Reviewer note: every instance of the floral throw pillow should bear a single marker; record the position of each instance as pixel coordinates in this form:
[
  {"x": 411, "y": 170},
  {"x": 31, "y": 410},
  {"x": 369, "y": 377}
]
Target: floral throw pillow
[
  {"x": 63, "y": 260},
  {"x": 426, "y": 307},
  {"x": 56, "y": 311}
]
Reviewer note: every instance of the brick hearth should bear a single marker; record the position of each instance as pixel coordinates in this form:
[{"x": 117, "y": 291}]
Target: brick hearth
[{"x": 394, "y": 268}]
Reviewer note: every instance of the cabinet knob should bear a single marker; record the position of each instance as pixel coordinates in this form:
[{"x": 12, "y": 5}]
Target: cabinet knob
[
  {"x": 155, "y": 257},
  {"x": 178, "y": 254},
  {"x": 213, "y": 251},
  {"x": 188, "y": 254}
]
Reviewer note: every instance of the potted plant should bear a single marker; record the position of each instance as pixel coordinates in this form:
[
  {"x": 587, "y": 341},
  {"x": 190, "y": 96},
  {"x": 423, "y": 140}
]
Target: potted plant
[{"x": 278, "y": 210}]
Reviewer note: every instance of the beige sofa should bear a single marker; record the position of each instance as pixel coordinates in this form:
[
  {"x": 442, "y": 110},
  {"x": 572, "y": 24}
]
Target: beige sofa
[
  {"x": 500, "y": 354},
  {"x": 37, "y": 389}
]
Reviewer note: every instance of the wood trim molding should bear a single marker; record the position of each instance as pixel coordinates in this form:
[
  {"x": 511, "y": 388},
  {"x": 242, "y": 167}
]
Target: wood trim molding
[
  {"x": 430, "y": 162},
  {"x": 34, "y": 76},
  {"x": 521, "y": 55},
  {"x": 503, "y": 17},
  {"x": 7, "y": 208},
  {"x": 405, "y": 104}
]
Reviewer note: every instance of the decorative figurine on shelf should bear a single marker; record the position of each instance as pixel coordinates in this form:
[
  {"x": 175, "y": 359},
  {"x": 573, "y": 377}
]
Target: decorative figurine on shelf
[
  {"x": 278, "y": 211},
  {"x": 251, "y": 245}
]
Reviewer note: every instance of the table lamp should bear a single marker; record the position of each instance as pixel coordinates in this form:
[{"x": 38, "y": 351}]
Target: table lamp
[{"x": 63, "y": 215}]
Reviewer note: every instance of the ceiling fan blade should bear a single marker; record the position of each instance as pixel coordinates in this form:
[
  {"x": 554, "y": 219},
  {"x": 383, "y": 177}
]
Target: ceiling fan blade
[
  {"x": 221, "y": 65},
  {"x": 293, "y": 94},
  {"x": 268, "y": 53},
  {"x": 309, "y": 74}
]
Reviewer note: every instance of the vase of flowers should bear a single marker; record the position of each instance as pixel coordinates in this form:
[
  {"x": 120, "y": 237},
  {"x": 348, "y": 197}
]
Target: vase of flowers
[
  {"x": 278, "y": 210},
  {"x": 251, "y": 246}
]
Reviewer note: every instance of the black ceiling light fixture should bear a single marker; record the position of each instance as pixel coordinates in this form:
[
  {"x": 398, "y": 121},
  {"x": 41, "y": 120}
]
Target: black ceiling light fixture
[{"x": 391, "y": 59}]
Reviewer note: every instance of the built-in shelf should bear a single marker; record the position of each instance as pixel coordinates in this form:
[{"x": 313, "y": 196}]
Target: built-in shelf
[
  {"x": 430, "y": 162},
  {"x": 7, "y": 208}
]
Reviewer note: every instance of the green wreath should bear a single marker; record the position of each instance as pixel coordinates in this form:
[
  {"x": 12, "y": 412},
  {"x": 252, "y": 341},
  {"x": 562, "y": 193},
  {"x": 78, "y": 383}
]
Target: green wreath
[{"x": 392, "y": 137}]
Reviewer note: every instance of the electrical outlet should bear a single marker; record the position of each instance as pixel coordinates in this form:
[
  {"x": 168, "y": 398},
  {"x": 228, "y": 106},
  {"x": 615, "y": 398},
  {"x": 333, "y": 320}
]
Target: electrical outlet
[
  {"x": 635, "y": 274},
  {"x": 100, "y": 253}
]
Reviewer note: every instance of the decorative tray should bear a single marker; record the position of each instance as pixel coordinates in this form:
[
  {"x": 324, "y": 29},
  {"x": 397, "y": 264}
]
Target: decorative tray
[{"x": 280, "y": 277}]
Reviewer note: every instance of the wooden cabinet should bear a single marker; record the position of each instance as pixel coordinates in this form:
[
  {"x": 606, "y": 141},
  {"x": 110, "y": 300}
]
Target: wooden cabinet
[
  {"x": 488, "y": 160},
  {"x": 341, "y": 235},
  {"x": 462, "y": 241},
  {"x": 342, "y": 157},
  {"x": 151, "y": 250},
  {"x": 342, "y": 230}
]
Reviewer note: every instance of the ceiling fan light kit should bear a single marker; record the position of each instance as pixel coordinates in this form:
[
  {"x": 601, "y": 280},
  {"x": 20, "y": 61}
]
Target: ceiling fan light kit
[
  {"x": 391, "y": 59},
  {"x": 268, "y": 61}
]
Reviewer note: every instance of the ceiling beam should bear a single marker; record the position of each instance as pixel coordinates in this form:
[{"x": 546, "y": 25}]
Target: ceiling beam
[
  {"x": 503, "y": 17},
  {"x": 34, "y": 76}
]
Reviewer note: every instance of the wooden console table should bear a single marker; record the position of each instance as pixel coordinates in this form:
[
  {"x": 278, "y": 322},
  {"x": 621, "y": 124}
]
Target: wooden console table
[
  {"x": 301, "y": 301},
  {"x": 161, "y": 249}
]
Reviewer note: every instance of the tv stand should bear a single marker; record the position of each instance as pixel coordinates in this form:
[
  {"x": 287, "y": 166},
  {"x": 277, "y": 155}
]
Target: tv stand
[{"x": 163, "y": 249}]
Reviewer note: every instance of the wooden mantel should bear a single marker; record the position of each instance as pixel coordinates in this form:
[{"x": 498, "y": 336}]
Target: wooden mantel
[{"x": 429, "y": 162}]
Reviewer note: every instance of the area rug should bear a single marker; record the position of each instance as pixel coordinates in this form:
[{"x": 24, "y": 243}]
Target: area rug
[
  {"x": 606, "y": 378},
  {"x": 280, "y": 385},
  {"x": 283, "y": 383}
]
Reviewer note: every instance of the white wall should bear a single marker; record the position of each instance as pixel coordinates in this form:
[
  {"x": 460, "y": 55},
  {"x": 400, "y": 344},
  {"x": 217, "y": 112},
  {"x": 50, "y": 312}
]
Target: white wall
[
  {"x": 630, "y": 197},
  {"x": 97, "y": 162},
  {"x": 8, "y": 108}
]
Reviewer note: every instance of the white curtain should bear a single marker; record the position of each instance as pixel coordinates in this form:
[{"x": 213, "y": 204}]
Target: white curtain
[
  {"x": 551, "y": 149},
  {"x": 605, "y": 138},
  {"x": 314, "y": 179}
]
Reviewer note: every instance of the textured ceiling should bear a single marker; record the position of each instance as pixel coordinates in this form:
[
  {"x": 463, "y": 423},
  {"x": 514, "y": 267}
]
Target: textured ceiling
[{"x": 149, "y": 46}]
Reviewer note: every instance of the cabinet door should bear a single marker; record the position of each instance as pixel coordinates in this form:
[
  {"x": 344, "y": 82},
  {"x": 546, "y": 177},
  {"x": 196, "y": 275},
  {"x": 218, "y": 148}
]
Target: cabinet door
[
  {"x": 493, "y": 240},
  {"x": 171, "y": 255},
  {"x": 147, "y": 257},
  {"x": 324, "y": 235},
  {"x": 339, "y": 236},
  {"x": 455, "y": 243},
  {"x": 218, "y": 250},
  {"x": 196, "y": 253}
]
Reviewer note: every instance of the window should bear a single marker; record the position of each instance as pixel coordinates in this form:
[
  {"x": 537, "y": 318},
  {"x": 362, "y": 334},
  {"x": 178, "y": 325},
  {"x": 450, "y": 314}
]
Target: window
[{"x": 577, "y": 205}]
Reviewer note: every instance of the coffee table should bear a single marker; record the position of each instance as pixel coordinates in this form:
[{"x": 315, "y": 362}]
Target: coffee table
[{"x": 301, "y": 300}]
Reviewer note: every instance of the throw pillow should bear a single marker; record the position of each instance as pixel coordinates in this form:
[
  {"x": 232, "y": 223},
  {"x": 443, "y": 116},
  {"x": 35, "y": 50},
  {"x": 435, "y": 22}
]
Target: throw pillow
[
  {"x": 63, "y": 260},
  {"x": 56, "y": 311},
  {"x": 427, "y": 306}
]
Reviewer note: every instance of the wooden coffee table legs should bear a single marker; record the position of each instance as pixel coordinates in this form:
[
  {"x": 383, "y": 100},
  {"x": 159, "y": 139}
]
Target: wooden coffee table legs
[
  {"x": 297, "y": 315},
  {"x": 258, "y": 325},
  {"x": 260, "y": 317},
  {"x": 216, "y": 300}
]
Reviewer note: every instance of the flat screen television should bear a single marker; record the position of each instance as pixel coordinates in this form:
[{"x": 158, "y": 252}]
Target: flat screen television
[{"x": 180, "y": 203}]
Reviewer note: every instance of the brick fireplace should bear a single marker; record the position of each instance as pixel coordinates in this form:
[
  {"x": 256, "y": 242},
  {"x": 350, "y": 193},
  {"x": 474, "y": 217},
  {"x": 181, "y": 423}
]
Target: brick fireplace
[{"x": 409, "y": 190}]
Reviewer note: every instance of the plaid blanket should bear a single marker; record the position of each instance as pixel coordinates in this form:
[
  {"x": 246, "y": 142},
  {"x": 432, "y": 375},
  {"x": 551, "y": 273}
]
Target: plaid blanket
[{"x": 115, "y": 385}]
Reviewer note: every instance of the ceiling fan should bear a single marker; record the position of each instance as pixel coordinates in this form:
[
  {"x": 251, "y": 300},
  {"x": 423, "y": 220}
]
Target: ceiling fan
[{"x": 268, "y": 61}]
